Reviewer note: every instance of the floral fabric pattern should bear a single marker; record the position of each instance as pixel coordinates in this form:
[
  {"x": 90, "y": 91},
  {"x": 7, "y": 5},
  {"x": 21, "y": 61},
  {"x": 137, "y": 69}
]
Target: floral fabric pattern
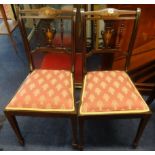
[
  {"x": 50, "y": 90},
  {"x": 107, "y": 92}
]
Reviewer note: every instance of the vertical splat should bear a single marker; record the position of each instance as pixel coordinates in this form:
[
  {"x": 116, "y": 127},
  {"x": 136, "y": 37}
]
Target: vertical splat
[{"x": 120, "y": 35}]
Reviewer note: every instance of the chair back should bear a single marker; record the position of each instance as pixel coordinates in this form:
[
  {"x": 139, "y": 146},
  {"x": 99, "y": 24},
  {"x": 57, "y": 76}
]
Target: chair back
[
  {"x": 109, "y": 32},
  {"x": 48, "y": 30}
]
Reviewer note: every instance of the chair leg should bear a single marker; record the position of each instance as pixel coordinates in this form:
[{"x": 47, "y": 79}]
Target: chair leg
[
  {"x": 74, "y": 132},
  {"x": 81, "y": 134},
  {"x": 13, "y": 122},
  {"x": 143, "y": 123}
]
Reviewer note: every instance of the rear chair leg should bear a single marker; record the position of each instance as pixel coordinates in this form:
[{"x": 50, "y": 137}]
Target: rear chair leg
[
  {"x": 81, "y": 134},
  {"x": 74, "y": 132},
  {"x": 142, "y": 124},
  {"x": 13, "y": 122}
]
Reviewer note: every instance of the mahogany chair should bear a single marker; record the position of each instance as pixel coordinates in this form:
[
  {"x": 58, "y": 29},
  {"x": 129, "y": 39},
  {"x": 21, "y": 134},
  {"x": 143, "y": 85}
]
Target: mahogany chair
[
  {"x": 46, "y": 92},
  {"x": 110, "y": 93}
]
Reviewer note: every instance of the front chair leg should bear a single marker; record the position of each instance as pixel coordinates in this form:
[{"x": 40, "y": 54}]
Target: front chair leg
[
  {"x": 81, "y": 133},
  {"x": 142, "y": 124},
  {"x": 74, "y": 131},
  {"x": 13, "y": 122}
]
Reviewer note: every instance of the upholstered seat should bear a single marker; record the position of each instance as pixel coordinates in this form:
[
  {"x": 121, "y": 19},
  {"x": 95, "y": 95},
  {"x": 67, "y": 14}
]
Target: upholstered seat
[
  {"x": 45, "y": 90},
  {"x": 110, "y": 92}
]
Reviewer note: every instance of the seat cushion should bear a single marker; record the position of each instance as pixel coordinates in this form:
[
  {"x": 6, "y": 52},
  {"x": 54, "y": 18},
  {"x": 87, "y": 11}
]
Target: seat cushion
[
  {"x": 45, "y": 90},
  {"x": 110, "y": 92}
]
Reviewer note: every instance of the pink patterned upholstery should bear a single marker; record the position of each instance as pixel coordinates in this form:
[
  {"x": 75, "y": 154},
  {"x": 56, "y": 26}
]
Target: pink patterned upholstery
[
  {"x": 45, "y": 90},
  {"x": 110, "y": 92}
]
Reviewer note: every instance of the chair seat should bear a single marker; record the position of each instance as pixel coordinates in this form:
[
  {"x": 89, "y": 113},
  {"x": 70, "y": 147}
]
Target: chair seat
[
  {"x": 110, "y": 92},
  {"x": 45, "y": 90}
]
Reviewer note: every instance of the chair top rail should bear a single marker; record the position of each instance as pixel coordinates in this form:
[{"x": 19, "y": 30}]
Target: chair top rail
[
  {"x": 47, "y": 12},
  {"x": 111, "y": 12}
]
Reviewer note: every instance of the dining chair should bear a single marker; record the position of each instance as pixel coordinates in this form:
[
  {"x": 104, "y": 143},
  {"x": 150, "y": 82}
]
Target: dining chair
[
  {"x": 46, "y": 92},
  {"x": 110, "y": 93}
]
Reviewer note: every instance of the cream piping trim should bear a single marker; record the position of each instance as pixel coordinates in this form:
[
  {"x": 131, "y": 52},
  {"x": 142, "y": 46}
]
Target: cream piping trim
[
  {"x": 85, "y": 78},
  {"x": 114, "y": 112},
  {"x": 31, "y": 109}
]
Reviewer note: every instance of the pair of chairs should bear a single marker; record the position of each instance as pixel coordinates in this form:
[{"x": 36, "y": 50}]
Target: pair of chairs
[{"x": 49, "y": 90}]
